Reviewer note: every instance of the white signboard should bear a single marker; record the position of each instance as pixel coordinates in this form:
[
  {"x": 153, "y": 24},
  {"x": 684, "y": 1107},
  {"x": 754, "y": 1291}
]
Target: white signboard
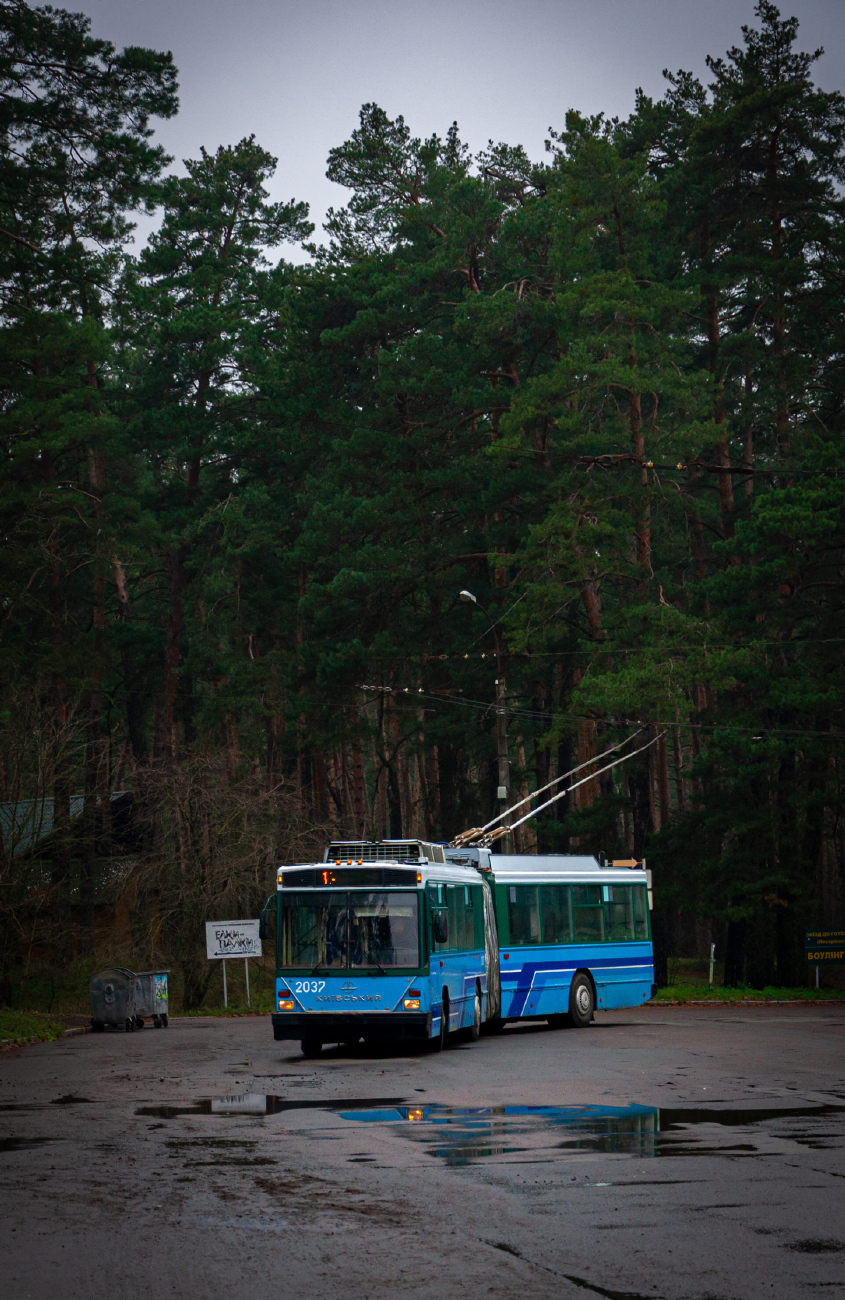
[
  {"x": 232, "y": 939},
  {"x": 249, "y": 1103}
]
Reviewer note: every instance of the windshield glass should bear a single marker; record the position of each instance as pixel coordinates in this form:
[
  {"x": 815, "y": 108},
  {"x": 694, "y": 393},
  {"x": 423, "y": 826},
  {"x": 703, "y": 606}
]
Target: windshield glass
[{"x": 345, "y": 930}]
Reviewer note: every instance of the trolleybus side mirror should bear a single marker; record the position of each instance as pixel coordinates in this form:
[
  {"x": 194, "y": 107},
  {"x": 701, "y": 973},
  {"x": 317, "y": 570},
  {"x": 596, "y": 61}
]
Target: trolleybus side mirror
[
  {"x": 440, "y": 927},
  {"x": 267, "y": 920}
]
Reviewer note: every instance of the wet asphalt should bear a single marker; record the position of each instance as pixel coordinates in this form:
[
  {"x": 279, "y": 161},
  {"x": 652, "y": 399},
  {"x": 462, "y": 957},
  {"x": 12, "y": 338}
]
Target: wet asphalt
[{"x": 663, "y": 1152}]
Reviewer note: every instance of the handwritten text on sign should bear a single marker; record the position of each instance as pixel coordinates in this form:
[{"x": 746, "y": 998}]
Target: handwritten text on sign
[{"x": 232, "y": 939}]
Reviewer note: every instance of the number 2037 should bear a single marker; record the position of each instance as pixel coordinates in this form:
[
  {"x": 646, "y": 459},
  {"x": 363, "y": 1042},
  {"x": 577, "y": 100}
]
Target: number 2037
[{"x": 309, "y": 986}]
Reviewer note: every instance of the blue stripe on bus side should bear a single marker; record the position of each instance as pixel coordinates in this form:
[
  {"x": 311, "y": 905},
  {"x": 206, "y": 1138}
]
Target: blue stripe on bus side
[{"x": 528, "y": 970}]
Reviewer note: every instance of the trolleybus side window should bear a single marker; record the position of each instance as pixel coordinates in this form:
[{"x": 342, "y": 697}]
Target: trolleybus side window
[
  {"x": 461, "y": 929},
  {"x": 438, "y": 918},
  {"x": 523, "y": 914},
  {"x": 587, "y": 913},
  {"x": 556, "y": 913},
  {"x": 640, "y": 912},
  {"x": 581, "y": 913},
  {"x": 477, "y": 892},
  {"x": 618, "y": 913}
]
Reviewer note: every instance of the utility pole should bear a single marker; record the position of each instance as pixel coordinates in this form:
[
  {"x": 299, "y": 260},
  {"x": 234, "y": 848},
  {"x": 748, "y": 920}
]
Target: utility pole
[{"x": 504, "y": 763}]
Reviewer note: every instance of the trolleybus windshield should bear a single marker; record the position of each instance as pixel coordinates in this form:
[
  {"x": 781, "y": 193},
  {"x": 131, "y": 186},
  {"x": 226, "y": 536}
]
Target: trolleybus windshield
[{"x": 347, "y": 930}]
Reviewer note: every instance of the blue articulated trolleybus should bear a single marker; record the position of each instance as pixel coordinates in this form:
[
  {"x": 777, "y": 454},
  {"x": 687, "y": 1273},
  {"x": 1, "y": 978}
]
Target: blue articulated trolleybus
[{"x": 406, "y": 939}]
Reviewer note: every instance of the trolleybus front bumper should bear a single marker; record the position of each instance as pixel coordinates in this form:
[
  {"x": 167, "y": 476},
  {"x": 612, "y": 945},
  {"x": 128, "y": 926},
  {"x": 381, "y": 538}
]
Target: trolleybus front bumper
[{"x": 339, "y": 1026}]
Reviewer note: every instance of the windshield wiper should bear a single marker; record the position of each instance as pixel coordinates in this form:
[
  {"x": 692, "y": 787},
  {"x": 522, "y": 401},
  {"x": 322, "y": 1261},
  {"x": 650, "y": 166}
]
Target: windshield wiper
[{"x": 314, "y": 969}]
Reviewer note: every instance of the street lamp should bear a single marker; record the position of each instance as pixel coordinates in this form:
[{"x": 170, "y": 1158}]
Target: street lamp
[{"x": 504, "y": 791}]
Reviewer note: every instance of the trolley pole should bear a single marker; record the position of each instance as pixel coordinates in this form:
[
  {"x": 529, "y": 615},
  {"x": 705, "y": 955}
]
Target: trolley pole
[{"x": 503, "y": 758}]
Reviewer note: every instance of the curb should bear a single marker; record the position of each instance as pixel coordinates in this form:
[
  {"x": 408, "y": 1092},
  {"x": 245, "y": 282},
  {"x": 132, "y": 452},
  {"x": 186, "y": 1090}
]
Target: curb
[
  {"x": 6, "y": 1044},
  {"x": 750, "y": 1002}
]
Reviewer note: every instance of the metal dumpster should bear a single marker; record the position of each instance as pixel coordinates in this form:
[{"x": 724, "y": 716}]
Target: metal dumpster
[
  {"x": 151, "y": 997},
  {"x": 113, "y": 999}
]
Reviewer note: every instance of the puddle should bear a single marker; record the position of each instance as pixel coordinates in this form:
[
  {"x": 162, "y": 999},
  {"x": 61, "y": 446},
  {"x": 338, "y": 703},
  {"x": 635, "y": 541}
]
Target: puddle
[
  {"x": 534, "y": 1134},
  {"x": 21, "y": 1144},
  {"x": 180, "y": 1144},
  {"x": 459, "y": 1135},
  {"x": 671, "y": 1116},
  {"x": 68, "y": 1100},
  {"x": 603, "y": 1291},
  {"x": 240, "y": 1161},
  {"x": 261, "y": 1103},
  {"x": 816, "y": 1246}
]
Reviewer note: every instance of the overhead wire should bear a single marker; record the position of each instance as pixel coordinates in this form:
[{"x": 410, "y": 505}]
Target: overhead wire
[
  {"x": 534, "y": 794},
  {"x": 760, "y": 731},
  {"x": 590, "y": 777},
  {"x": 554, "y": 798}
]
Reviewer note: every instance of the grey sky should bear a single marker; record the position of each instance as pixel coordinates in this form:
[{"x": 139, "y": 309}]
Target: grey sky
[{"x": 295, "y": 73}]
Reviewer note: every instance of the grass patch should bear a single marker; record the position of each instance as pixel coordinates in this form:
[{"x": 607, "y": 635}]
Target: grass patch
[
  {"x": 689, "y": 982},
  {"x": 54, "y": 992},
  {"x": 703, "y": 993},
  {"x": 261, "y": 1005},
  {"x": 20, "y": 1027}
]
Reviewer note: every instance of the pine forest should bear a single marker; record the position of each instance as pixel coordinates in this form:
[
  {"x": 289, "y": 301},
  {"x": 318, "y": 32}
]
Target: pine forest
[{"x": 602, "y": 390}]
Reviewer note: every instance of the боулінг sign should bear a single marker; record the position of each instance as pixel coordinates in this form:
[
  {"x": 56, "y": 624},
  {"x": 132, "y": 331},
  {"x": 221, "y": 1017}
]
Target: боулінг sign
[{"x": 825, "y": 947}]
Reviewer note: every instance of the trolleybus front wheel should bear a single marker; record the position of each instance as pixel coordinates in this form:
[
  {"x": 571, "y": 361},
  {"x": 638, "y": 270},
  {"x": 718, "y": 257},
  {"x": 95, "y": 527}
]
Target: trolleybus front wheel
[
  {"x": 475, "y": 1027},
  {"x": 582, "y": 1001},
  {"x": 311, "y": 1047},
  {"x": 437, "y": 1044}
]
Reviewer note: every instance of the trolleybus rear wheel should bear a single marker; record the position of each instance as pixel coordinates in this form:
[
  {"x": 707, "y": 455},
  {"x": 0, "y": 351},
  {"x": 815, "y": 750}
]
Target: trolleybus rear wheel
[
  {"x": 582, "y": 1001},
  {"x": 475, "y": 1027},
  {"x": 98, "y": 1026},
  {"x": 311, "y": 1047}
]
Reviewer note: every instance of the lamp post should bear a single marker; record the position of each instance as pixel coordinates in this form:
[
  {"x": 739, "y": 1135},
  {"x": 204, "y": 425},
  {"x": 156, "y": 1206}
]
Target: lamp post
[{"x": 504, "y": 790}]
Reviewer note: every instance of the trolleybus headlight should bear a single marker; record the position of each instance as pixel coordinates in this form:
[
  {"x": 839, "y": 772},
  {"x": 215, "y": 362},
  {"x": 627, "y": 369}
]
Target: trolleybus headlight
[
  {"x": 412, "y": 1004},
  {"x": 286, "y": 1004},
  {"x": 416, "y": 1112}
]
